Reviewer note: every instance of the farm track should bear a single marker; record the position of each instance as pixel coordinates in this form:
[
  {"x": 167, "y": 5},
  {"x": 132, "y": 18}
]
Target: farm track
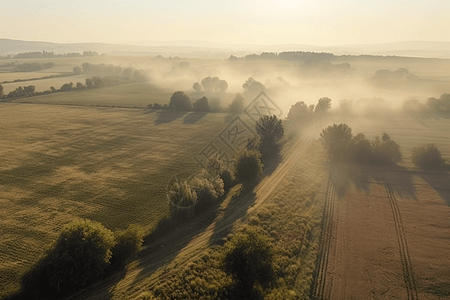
[
  {"x": 403, "y": 246},
  {"x": 320, "y": 290},
  {"x": 193, "y": 243}
]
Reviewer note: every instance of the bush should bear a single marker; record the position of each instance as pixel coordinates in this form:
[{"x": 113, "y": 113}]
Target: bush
[
  {"x": 128, "y": 244},
  {"x": 248, "y": 166},
  {"x": 249, "y": 260},
  {"x": 146, "y": 296},
  {"x": 428, "y": 157},
  {"x": 180, "y": 101},
  {"x": 182, "y": 201}
]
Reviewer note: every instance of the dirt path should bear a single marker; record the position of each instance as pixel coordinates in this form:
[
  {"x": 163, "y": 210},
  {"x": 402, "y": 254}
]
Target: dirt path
[{"x": 166, "y": 256}]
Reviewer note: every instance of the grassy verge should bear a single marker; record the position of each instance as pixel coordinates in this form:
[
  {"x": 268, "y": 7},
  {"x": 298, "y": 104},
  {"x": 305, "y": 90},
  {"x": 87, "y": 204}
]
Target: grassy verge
[{"x": 291, "y": 218}]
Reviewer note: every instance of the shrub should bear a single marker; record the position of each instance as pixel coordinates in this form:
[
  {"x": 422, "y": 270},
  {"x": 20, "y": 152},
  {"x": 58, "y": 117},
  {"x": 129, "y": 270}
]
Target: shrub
[
  {"x": 249, "y": 260},
  {"x": 128, "y": 244},
  {"x": 180, "y": 101},
  {"x": 336, "y": 140},
  {"x": 427, "y": 157},
  {"x": 146, "y": 296},
  {"x": 228, "y": 179},
  {"x": 248, "y": 166}
]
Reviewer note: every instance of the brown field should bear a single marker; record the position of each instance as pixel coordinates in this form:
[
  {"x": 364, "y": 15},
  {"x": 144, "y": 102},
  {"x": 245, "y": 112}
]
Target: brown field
[
  {"x": 387, "y": 233},
  {"x": 108, "y": 165}
]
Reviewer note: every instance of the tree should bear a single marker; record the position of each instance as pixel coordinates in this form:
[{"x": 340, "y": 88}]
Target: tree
[
  {"x": 428, "y": 157},
  {"x": 249, "y": 260},
  {"x": 180, "y": 101},
  {"x": 80, "y": 86},
  {"x": 271, "y": 130},
  {"x": 81, "y": 255},
  {"x": 323, "y": 105},
  {"x": 214, "y": 84},
  {"x": 253, "y": 86},
  {"x": 360, "y": 149},
  {"x": 386, "y": 151},
  {"x": 197, "y": 87},
  {"x": 89, "y": 83},
  {"x": 98, "y": 81},
  {"x": 300, "y": 112},
  {"x": 66, "y": 87},
  {"x": 77, "y": 70},
  {"x": 87, "y": 67},
  {"x": 248, "y": 166},
  {"x": 336, "y": 140},
  {"x": 1, "y": 90},
  {"x": 237, "y": 105},
  {"x": 202, "y": 105},
  {"x": 128, "y": 73}
]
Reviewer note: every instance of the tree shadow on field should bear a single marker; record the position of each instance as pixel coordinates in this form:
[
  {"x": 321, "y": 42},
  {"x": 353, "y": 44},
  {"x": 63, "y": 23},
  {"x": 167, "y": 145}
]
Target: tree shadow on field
[
  {"x": 194, "y": 117},
  {"x": 167, "y": 116},
  {"x": 399, "y": 178},
  {"x": 237, "y": 208},
  {"x": 439, "y": 180}
]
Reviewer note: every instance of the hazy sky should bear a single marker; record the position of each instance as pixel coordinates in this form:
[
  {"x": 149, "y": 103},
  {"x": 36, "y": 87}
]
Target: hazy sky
[{"x": 317, "y": 22}]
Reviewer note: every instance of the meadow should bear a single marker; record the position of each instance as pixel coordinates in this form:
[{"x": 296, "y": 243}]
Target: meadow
[
  {"x": 109, "y": 165},
  {"x": 127, "y": 95}
]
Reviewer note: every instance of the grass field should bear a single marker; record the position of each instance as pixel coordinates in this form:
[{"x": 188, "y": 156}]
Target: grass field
[
  {"x": 128, "y": 95},
  {"x": 109, "y": 165},
  {"x": 24, "y": 75},
  {"x": 44, "y": 84}
]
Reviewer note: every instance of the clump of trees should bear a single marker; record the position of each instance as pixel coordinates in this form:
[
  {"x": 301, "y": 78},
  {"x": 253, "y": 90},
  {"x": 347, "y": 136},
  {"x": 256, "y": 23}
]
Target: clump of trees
[
  {"x": 32, "y": 67},
  {"x": 302, "y": 114},
  {"x": 433, "y": 107},
  {"x": 249, "y": 259},
  {"x": 211, "y": 84},
  {"x": 342, "y": 146},
  {"x": 81, "y": 255},
  {"x": 428, "y": 157}
]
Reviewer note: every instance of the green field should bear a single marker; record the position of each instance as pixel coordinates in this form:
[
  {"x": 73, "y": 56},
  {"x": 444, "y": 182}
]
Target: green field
[
  {"x": 105, "y": 164},
  {"x": 128, "y": 95}
]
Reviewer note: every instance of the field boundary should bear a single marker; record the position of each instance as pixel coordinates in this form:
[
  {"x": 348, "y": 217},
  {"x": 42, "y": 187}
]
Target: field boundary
[
  {"x": 319, "y": 289},
  {"x": 408, "y": 275}
]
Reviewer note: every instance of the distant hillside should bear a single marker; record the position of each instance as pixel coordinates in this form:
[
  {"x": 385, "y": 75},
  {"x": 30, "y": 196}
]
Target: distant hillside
[{"x": 204, "y": 49}]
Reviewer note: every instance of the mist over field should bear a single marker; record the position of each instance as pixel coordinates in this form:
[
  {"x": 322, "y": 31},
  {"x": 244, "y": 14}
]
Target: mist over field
[{"x": 173, "y": 150}]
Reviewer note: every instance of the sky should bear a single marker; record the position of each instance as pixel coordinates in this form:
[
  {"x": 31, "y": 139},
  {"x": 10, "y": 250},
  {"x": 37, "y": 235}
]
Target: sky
[{"x": 264, "y": 22}]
